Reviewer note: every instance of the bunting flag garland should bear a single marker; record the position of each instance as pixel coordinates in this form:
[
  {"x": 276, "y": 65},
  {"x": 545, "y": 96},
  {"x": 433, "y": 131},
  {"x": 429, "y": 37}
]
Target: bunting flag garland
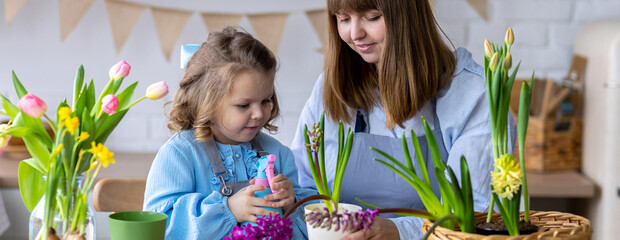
[
  {"x": 123, "y": 18},
  {"x": 269, "y": 28},
  {"x": 11, "y": 7},
  {"x": 318, "y": 18},
  {"x": 71, "y": 12},
  {"x": 169, "y": 24},
  {"x": 481, "y": 7},
  {"x": 218, "y": 21}
]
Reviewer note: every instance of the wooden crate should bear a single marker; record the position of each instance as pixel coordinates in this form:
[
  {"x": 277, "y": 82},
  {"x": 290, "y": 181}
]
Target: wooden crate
[{"x": 553, "y": 140}]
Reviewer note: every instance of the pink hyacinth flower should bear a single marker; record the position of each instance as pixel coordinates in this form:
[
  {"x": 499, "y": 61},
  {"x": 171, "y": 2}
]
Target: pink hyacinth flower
[
  {"x": 32, "y": 105},
  {"x": 119, "y": 70},
  {"x": 109, "y": 103},
  {"x": 157, "y": 90}
]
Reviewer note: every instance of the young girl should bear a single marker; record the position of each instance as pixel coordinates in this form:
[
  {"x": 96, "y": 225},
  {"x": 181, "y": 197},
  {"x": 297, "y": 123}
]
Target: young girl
[{"x": 199, "y": 177}]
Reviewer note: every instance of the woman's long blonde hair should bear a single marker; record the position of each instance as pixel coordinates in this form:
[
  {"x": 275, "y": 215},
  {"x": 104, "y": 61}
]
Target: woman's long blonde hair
[
  {"x": 414, "y": 61},
  {"x": 209, "y": 76}
]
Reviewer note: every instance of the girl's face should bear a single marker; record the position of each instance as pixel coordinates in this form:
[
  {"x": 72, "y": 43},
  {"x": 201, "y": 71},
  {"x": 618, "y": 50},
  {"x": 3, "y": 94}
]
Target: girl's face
[
  {"x": 245, "y": 109},
  {"x": 364, "y": 32}
]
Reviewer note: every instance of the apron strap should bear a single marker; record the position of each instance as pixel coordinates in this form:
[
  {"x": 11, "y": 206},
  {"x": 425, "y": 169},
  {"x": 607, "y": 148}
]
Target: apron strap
[{"x": 220, "y": 171}]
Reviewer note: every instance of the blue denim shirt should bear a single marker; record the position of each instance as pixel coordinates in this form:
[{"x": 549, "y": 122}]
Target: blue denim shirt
[
  {"x": 463, "y": 112},
  {"x": 181, "y": 184}
]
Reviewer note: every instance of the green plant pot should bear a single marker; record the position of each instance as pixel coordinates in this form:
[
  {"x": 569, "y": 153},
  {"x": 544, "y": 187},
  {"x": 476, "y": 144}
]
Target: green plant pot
[{"x": 137, "y": 225}]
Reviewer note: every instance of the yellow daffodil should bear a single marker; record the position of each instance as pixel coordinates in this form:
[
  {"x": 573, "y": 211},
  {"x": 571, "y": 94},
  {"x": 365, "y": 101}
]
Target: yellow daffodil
[
  {"x": 507, "y": 179},
  {"x": 64, "y": 113},
  {"x": 57, "y": 149},
  {"x": 102, "y": 153},
  {"x": 72, "y": 124},
  {"x": 83, "y": 136}
]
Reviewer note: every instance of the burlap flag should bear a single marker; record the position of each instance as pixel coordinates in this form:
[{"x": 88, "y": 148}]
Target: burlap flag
[
  {"x": 432, "y": 3},
  {"x": 71, "y": 12},
  {"x": 169, "y": 24},
  {"x": 481, "y": 7},
  {"x": 218, "y": 21},
  {"x": 123, "y": 18},
  {"x": 11, "y": 7},
  {"x": 269, "y": 28},
  {"x": 318, "y": 18}
]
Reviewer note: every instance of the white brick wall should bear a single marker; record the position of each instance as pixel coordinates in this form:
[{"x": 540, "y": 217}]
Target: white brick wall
[{"x": 544, "y": 35}]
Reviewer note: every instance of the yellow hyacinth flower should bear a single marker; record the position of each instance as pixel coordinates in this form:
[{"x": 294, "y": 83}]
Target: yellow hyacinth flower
[
  {"x": 507, "y": 179},
  {"x": 102, "y": 153}
]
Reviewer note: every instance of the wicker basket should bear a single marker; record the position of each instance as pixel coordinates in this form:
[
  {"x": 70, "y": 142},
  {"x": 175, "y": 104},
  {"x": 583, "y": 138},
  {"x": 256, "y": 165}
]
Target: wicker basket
[{"x": 553, "y": 225}]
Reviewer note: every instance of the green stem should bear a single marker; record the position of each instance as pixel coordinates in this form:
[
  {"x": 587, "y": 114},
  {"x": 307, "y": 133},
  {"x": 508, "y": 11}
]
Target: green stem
[
  {"x": 134, "y": 102},
  {"x": 51, "y": 123}
]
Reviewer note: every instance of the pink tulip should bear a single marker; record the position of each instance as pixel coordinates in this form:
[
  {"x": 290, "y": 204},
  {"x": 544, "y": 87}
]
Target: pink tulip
[
  {"x": 4, "y": 140},
  {"x": 119, "y": 70},
  {"x": 157, "y": 90},
  {"x": 32, "y": 105},
  {"x": 109, "y": 103}
]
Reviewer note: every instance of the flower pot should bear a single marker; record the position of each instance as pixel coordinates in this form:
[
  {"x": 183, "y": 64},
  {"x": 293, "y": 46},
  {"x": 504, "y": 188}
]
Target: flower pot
[
  {"x": 321, "y": 233},
  {"x": 552, "y": 225}
]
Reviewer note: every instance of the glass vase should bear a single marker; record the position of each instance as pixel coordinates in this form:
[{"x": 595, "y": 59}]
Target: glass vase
[{"x": 62, "y": 221}]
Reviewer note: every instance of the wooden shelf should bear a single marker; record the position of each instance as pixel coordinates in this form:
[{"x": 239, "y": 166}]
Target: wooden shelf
[{"x": 560, "y": 184}]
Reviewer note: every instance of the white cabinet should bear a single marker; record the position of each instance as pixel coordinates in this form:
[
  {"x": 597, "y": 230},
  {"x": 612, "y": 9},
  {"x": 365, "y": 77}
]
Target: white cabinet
[{"x": 599, "y": 42}]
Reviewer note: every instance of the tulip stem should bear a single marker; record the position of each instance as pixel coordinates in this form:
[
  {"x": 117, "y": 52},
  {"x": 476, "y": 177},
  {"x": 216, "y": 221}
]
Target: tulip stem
[
  {"x": 134, "y": 102},
  {"x": 50, "y": 122}
]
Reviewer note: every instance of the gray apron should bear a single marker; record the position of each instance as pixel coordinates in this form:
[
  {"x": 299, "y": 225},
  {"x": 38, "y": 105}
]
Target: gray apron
[
  {"x": 231, "y": 187},
  {"x": 374, "y": 183}
]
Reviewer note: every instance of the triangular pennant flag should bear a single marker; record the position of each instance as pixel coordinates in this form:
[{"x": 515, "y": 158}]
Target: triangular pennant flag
[
  {"x": 218, "y": 21},
  {"x": 169, "y": 24},
  {"x": 318, "y": 18},
  {"x": 481, "y": 7},
  {"x": 71, "y": 12},
  {"x": 11, "y": 7},
  {"x": 269, "y": 28},
  {"x": 123, "y": 18}
]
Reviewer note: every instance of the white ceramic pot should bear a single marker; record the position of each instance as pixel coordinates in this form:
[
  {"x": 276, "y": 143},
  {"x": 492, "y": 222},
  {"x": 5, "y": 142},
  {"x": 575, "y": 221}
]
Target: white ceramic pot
[{"x": 324, "y": 234}]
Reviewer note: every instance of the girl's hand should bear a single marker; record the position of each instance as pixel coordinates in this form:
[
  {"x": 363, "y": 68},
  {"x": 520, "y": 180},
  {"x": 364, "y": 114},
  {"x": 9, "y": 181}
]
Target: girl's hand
[
  {"x": 286, "y": 193},
  {"x": 382, "y": 228},
  {"x": 244, "y": 205}
]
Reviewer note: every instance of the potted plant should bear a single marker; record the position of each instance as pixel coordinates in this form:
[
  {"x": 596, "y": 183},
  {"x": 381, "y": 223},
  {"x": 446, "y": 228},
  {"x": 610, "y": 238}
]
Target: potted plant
[
  {"x": 55, "y": 182},
  {"x": 316, "y": 159}
]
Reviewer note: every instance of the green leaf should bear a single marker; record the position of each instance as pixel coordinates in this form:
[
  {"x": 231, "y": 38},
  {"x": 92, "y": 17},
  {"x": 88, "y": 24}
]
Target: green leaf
[
  {"x": 17, "y": 131},
  {"x": 90, "y": 97},
  {"x": 77, "y": 85},
  {"x": 403, "y": 142},
  {"x": 19, "y": 88},
  {"x": 108, "y": 126},
  {"x": 418, "y": 153},
  {"x": 432, "y": 145},
  {"x": 10, "y": 108},
  {"x": 125, "y": 96},
  {"x": 466, "y": 188},
  {"x": 31, "y": 184},
  {"x": 79, "y": 105}
]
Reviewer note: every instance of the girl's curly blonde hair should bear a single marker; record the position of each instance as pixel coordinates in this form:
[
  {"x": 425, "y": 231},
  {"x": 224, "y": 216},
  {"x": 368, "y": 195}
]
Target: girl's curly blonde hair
[{"x": 209, "y": 76}]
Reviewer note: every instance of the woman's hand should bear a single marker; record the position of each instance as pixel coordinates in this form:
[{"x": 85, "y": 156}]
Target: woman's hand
[
  {"x": 285, "y": 194},
  {"x": 244, "y": 205},
  {"x": 382, "y": 228}
]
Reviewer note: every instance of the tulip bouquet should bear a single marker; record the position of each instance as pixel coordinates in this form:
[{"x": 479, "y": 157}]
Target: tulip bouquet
[{"x": 70, "y": 159}]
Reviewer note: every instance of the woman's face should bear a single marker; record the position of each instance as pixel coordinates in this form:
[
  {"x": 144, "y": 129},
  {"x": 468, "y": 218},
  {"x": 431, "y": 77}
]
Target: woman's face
[{"x": 364, "y": 32}]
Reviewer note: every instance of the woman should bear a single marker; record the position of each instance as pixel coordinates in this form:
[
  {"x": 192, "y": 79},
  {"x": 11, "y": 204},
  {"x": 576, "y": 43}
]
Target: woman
[{"x": 386, "y": 66}]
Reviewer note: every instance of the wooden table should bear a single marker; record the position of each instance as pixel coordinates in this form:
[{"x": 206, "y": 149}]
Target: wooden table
[
  {"x": 563, "y": 184},
  {"x": 128, "y": 165}
]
